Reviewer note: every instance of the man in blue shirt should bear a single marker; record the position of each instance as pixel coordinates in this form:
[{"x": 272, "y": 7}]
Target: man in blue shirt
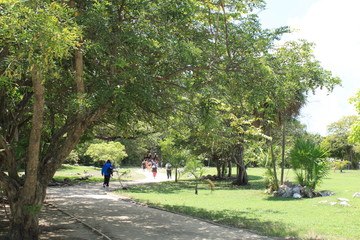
[{"x": 107, "y": 171}]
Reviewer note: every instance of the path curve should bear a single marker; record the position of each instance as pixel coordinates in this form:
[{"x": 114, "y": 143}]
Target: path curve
[{"x": 119, "y": 218}]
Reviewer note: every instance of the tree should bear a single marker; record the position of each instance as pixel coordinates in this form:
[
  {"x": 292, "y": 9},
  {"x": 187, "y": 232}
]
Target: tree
[
  {"x": 101, "y": 152},
  {"x": 294, "y": 65},
  {"x": 195, "y": 168},
  {"x": 355, "y": 127},
  {"x": 338, "y": 142},
  {"x": 34, "y": 38},
  {"x": 173, "y": 154},
  {"x": 340, "y": 165}
]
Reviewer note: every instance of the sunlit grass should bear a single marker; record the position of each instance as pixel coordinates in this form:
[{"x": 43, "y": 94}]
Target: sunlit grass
[
  {"x": 250, "y": 207},
  {"x": 78, "y": 173}
]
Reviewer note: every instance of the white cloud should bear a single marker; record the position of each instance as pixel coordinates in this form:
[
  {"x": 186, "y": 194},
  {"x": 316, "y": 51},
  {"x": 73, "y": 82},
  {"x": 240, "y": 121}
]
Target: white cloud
[{"x": 334, "y": 26}]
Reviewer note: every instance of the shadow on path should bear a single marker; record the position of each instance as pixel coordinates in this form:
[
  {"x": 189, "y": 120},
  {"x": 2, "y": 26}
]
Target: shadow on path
[{"x": 118, "y": 218}]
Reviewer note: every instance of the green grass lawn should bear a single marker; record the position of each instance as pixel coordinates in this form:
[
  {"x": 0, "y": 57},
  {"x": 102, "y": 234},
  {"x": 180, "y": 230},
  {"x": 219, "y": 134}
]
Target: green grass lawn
[{"x": 251, "y": 208}]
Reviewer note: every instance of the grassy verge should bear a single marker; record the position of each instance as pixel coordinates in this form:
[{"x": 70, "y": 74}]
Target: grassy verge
[
  {"x": 78, "y": 173},
  {"x": 249, "y": 207}
]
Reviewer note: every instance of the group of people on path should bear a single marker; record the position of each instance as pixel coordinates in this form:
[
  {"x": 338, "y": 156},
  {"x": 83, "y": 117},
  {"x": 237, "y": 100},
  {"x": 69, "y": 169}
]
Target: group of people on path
[
  {"x": 149, "y": 163},
  {"x": 152, "y": 163}
]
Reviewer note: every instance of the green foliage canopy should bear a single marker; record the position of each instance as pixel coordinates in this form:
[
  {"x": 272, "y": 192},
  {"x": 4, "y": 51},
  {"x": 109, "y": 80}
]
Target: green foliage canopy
[
  {"x": 101, "y": 152},
  {"x": 338, "y": 140},
  {"x": 355, "y": 127}
]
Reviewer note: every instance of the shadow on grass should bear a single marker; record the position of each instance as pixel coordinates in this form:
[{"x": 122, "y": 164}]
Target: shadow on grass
[
  {"x": 163, "y": 187},
  {"x": 68, "y": 167},
  {"x": 239, "y": 219},
  {"x": 174, "y": 187},
  {"x": 283, "y": 199}
]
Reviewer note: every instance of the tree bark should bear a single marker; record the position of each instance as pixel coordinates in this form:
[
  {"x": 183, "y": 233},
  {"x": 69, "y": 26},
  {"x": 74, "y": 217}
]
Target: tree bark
[
  {"x": 176, "y": 174},
  {"x": 283, "y": 145},
  {"x": 217, "y": 164},
  {"x": 79, "y": 69},
  {"x": 26, "y": 201},
  {"x": 25, "y": 207},
  {"x": 242, "y": 177},
  {"x": 223, "y": 168},
  {"x": 79, "y": 62},
  {"x": 273, "y": 160},
  {"x": 230, "y": 169}
]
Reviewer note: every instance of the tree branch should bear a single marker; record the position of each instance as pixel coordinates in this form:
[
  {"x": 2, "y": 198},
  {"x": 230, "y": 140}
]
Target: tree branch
[
  {"x": 226, "y": 29},
  {"x": 8, "y": 157},
  {"x": 181, "y": 70}
]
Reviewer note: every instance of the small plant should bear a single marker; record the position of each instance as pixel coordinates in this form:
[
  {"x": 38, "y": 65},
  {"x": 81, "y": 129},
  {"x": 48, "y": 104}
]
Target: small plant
[
  {"x": 212, "y": 185},
  {"x": 195, "y": 168},
  {"x": 309, "y": 161},
  {"x": 270, "y": 181},
  {"x": 340, "y": 165}
]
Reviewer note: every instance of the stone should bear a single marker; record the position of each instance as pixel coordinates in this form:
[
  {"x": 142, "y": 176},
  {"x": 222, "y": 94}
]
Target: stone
[
  {"x": 343, "y": 199},
  {"x": 345, "y": 204},
  {"x": 309, "y": 193},
  {"x": 333, "y": 203},
  {"x": 326, "y": 193},
  {"x": 356, "y": 194},
  {"x": 296, "y": 189},
  {"x": 287, "y": 194},
  {"x": 297, "y": 195},
  {"x": 325, "y": 201},
  {"x": 289, "y": 184}
]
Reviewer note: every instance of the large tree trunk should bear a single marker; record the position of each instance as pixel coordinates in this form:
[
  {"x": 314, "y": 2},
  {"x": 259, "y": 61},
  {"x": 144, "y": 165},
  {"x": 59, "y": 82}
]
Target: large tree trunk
[
  {"x": 176, "y": 174},
  {"x": 229, "y": 168},
  {"x": 25, "y": 203},
  {"x": 217, "y": 164},
  {"x": 26, "y": 196},
  {"x": 79, "y": 62},
  {"x": 273, "y": 160},
  {"x": 24, "y": 222},
  {"x": 242, "y": 177},
  {"x": 223, "y": 169}
]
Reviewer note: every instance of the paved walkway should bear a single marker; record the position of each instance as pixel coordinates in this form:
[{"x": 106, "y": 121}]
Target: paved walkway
[{"x": 118, "y": 218}]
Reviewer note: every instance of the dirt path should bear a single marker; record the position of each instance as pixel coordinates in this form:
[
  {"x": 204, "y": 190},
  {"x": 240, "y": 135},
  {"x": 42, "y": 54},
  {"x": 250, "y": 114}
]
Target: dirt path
[{"x": 105, "y": 215}]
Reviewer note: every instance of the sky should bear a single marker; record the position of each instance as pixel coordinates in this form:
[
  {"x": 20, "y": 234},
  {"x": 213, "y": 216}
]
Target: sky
[{"x": 334, "y": 26}]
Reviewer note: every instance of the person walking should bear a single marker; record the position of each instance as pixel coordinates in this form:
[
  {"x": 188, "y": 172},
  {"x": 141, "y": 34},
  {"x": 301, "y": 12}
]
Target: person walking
[
  {"x": 154, "y": 169},
  {"x": 143, "y": 164},
  {"x": 107, "y": 172},
  {"x": 168, "y": 170}
]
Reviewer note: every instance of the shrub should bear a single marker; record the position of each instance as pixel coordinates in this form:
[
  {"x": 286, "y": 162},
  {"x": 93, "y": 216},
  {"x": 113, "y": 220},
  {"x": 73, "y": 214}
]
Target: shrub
[
  {"x": 72, "y": 159},
  {"x": 309, "y": 161},
  {"x": 340, "y": 165},
  {"x": 101, "y": 152}
]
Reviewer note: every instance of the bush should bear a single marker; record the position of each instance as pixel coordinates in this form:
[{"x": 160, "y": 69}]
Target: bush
[
  {"x": 309, "y": 161},
  {"x": 101, "y": 152},
  {"x": 72, "y": 159},
  {"x": 340, "y": 165}
]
